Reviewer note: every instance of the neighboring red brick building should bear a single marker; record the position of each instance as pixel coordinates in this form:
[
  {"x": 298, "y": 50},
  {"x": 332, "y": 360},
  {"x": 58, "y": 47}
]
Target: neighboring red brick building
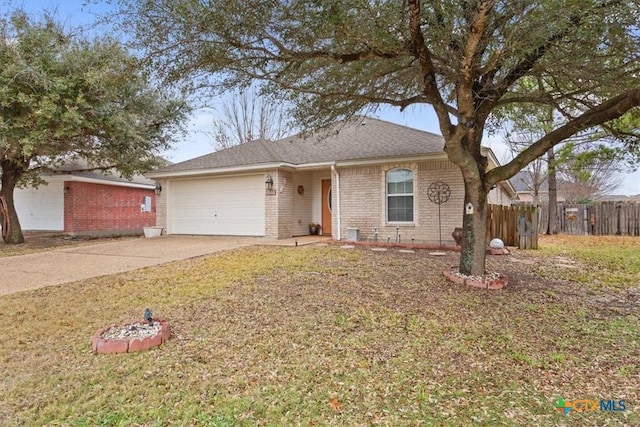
[
  {"x": 80, "y": 201},
  {"x": 90, "y": 207}
]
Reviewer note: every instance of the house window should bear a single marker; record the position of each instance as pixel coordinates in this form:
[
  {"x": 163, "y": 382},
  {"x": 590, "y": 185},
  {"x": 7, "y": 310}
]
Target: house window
[{"x": 400, "y": 195}]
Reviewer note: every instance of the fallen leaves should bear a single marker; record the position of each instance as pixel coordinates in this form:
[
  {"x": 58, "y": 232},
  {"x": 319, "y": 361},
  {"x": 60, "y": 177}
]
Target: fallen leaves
[
  {"x": 266, "y": 336},
  {"x": 335, "y": 404}
]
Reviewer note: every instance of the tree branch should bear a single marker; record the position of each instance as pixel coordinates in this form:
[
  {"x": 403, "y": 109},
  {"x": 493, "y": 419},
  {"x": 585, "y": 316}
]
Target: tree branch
[
  {"x": 491, "y": 94},
  {"x": 315, "y": 54},
  {"x": 476, "y": 30},
  {"x": 603, "y": 113},
  {"x": 430, "y": 87}
]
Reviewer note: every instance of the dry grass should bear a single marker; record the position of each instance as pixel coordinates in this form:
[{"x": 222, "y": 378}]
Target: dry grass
[
  {"x": 44, "y": 241},
  {"x": 328, "y": 336}
]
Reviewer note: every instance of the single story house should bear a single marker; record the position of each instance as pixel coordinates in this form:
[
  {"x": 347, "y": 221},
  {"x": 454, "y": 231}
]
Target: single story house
[
  {"x": 367, "y": 179},
  {"x": 524, "y": 185},
  {"x": 75, "y": 199},
  {"x": 566, "y": 192}
]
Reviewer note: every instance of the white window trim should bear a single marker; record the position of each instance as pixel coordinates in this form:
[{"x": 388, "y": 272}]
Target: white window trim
[{"x": 413, "y": 171}]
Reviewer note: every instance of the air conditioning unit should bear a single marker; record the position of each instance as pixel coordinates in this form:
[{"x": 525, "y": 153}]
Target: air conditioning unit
[{"x": 353, "y": 234}]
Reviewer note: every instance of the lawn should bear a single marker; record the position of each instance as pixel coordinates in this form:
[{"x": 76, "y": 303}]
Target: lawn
[
  {"x": 44, "y": 241},
  {"x": 328, "y": 336}
]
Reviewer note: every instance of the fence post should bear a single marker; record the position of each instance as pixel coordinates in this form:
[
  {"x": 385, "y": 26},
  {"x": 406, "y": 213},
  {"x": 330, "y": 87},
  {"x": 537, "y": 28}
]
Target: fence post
[
  {"x": 618, "y": 208},
  {"x": 534, "y": 222}
]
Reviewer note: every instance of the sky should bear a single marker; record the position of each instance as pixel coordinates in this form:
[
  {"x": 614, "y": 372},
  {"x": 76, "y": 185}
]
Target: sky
[{"x": 199, "y": 142}]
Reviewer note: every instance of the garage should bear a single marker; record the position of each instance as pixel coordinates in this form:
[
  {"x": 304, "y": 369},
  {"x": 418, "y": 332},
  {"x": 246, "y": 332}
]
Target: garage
[
  {"x": 232, "y": 206},
  {"x": 41, "y": 208}
]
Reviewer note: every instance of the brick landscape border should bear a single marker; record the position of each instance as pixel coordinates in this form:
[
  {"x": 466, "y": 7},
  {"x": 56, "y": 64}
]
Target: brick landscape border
[{"x": 127, "y": 345}]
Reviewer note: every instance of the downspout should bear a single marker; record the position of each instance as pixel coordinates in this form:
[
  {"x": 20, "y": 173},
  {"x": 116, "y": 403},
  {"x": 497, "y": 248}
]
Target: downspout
[{"x": 333, "y": 169}]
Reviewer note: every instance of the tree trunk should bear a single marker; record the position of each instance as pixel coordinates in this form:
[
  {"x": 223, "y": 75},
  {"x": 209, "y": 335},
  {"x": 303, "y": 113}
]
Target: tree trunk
[
  {"x": 474, "y": 230},
  {"x": 553, "y": 192},
  {"x": 11, "y": 231}
]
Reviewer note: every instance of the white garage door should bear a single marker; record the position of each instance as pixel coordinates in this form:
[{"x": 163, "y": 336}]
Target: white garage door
[
  {"x": 232, "y": 206},
  {"x": 41, "y": 209}
]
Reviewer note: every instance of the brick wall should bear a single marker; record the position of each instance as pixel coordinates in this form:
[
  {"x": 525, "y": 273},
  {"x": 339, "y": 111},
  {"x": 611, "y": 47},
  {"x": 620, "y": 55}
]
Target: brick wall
[
  {"x": 363, "y": 202},
  {"x": 161, "y": 205},
  {"x": 106, "y": 208},
  {"x": 279, "y": 205},
  {"x": 302, "y": 203}
]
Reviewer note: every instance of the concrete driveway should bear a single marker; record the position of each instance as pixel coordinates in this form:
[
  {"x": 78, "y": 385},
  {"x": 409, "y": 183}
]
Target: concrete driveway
[{"x": 59, "y": 266}]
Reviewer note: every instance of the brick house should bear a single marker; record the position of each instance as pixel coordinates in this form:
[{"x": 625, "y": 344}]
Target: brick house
[
  {"x": 523, "y": 183},
  {"x": 75, "y": 200},
  {"x": 367, "y": 179}
]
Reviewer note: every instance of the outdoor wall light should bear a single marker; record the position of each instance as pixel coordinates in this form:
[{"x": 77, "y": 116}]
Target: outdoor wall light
[
  {"x": 269, "y": 183},
  {"x": 66, "y": 189},
  {"x": 158, "y": 189}
]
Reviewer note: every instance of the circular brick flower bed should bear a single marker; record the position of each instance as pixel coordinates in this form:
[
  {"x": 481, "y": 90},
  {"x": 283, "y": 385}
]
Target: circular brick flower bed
[
  {"x": 489, "y": 281},
  {"x": 136, "y": 335}
]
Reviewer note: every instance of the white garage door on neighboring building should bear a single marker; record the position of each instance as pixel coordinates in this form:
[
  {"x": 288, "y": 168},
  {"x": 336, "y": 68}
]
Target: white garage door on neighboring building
[
  {"x": 41, "y": 208},
  {"x": 232, "y": 206}
]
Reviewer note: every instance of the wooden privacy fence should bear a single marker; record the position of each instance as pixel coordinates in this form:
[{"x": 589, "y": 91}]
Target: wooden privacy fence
[
  {"x": 514, "y": 225},
  {"x": 603, "y": 218}
]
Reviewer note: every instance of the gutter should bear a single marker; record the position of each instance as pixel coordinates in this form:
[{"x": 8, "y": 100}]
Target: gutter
[
  {"x": 217, "y": 171},
  {"x": 333, "y": 169},
  {"x": 236, "y": 169},
  {"x": 382, "y": 160},
  {"x": 312, "y": 166},
  {"x": 129, "y": 184}
]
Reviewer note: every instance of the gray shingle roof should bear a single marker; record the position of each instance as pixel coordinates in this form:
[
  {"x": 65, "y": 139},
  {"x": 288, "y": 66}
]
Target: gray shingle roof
[
  {"x": 523, "y": 182},
  {"x": 81, "y": 168},
  {"x": 361, "y": 139}
]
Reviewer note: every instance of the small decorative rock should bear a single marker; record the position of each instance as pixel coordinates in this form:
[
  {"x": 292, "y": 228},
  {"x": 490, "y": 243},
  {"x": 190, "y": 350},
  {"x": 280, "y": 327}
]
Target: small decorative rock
[
  {"x": 136, "y": 335},
  {"x": 136, "y": 330},
  {"x": 496, "y": 243},
  {"x": 522, "y": 261},
  {"x": 437, "y": 253},
  {"x": 491, "y": 281}
]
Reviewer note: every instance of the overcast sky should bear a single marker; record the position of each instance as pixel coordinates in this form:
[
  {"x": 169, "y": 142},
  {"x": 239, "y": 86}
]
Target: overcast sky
[{"x": 198, "y": 142}]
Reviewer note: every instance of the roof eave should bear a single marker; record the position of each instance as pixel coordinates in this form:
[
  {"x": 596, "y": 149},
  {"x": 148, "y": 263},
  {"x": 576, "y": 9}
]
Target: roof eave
[
  {"x": 217, "y": 171},
  {"x": 129, "y": 184},
  {"x": 506, "y": 184},
  {"x": 376, "y": 161},
  {"x": 92, "y": 180},
  {"x": 315, "y": 166}
]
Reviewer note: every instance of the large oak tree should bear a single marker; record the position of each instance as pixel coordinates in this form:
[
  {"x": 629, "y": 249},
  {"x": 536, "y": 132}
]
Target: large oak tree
[
  {"x": 64, "y": 97},
  {"x": 467, "y": 59}
]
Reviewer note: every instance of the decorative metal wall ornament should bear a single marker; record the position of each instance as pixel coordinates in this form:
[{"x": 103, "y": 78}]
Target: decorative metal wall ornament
[{"x": 438, "y": 193}]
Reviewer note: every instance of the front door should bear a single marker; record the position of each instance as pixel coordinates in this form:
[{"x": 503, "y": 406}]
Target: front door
[{"x": 326, "y": 207}]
